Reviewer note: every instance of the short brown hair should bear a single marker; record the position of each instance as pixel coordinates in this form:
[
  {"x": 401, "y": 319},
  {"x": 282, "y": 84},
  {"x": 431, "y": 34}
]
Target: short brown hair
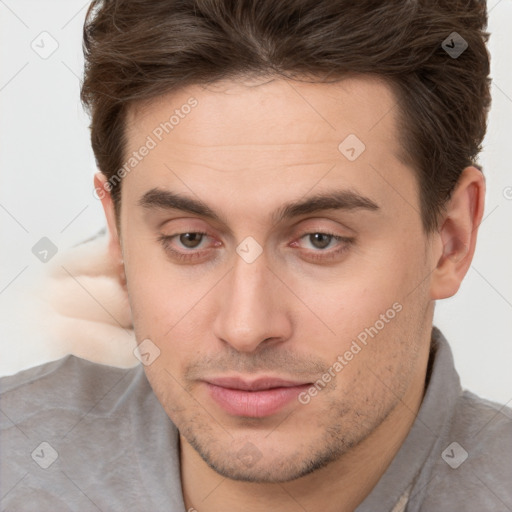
[{"x": 136, "y": 50}]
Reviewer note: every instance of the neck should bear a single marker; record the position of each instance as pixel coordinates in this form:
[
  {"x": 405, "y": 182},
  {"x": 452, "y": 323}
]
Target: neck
[{"x": 341, "y": 486}]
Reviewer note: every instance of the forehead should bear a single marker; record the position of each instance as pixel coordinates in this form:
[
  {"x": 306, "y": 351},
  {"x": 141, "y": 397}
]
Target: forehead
[
  {"x": 233, "y": 139},
  {"x": 271, "y": 113}
]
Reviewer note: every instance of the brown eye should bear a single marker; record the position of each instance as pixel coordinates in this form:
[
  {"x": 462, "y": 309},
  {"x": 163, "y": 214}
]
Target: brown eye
[
  {"x": 320, "y": 240},
  {"x": 187, "y": 247},
  {"x": 322, "y": 246},
  {"x": 191, "y": 240}
]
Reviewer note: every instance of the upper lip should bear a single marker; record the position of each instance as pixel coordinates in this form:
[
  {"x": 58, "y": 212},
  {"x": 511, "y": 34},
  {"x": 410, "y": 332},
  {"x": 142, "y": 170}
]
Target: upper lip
[{"x": 259, "y": 384}]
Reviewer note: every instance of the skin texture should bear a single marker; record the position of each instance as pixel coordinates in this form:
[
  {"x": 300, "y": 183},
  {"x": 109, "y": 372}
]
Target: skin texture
[{"x": 245, "y": 150}]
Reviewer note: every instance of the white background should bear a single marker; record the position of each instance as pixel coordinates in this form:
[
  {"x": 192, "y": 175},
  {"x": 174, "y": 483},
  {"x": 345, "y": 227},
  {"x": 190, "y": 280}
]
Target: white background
[{"x": 46, "y": 186}]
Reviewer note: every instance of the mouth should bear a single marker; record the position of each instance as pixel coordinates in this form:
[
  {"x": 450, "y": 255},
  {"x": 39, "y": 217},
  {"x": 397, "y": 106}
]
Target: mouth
[{"x": 253, "y": 398}]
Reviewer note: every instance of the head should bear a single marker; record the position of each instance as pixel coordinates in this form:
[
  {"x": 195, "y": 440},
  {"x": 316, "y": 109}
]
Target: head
[{"x": 290, "y": 186}]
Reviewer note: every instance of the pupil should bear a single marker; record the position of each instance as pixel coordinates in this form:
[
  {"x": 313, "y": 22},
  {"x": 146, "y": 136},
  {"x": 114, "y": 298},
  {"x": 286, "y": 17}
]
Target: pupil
[
  {"x": 323, "y": 239},
  {"x": 190, "y": 239}
]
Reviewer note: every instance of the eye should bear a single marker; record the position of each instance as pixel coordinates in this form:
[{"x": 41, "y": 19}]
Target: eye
[
  {"x": 320, "y": 242},
  {"x": 190, "y": 246},
  {"x": 190, "y": 241}
]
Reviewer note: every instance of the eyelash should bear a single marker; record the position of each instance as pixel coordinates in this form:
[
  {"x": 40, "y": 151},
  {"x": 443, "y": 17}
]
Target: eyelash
[
  {"x": 165, "y": 240},
  {"x": 323, "y": 255}
]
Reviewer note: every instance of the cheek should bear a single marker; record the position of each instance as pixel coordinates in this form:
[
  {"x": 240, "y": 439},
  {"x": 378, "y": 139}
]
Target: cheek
[
  {"x": 350, "y": 301},
  {"x": 372, "y": 314},
  {"x": 154, "y": 296},
  {"x": 170, "y": 308},
  {"x": 158, "y": 291}
]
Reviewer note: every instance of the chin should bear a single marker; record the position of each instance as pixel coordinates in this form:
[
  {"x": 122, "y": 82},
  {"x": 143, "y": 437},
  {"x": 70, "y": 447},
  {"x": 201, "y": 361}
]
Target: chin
[{"x": 249, "y": 464}]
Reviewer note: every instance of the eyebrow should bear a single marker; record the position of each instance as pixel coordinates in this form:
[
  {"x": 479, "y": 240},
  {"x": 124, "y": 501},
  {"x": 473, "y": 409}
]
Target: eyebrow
[{"x": 158, "y": 198}]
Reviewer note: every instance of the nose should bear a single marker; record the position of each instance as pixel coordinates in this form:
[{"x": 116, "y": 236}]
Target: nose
[{"x": 252, "y": 307}]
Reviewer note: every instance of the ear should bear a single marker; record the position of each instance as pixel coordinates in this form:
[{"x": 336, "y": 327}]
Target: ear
[
  {"x": 458, "y": 233},
  {"x": 102, "y": 191}
]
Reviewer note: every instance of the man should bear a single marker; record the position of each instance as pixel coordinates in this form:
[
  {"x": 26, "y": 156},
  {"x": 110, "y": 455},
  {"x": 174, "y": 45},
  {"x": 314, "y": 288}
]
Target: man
[{"x": 288, "y": 188}]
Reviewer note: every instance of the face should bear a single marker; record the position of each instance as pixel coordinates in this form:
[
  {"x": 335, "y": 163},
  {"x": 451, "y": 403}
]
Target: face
[{"x": 276, "y": 267}]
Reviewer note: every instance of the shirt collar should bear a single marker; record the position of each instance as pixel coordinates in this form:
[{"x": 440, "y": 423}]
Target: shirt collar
[{"x": 434, "y": 414}]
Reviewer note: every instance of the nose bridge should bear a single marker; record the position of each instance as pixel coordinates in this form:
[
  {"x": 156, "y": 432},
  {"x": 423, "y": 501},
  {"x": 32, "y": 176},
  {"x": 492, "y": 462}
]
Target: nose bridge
[{"x": 252, "y": 310}]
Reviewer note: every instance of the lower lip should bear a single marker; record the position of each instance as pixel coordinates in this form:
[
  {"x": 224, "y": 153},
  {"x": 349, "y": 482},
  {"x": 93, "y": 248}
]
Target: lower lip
[{"x": 254, "y": 404}]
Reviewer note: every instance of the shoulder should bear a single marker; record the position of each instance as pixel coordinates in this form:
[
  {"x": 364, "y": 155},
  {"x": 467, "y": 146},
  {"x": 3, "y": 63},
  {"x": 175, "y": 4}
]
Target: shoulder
[
  {"x": 67, "y": 382},
  {"x": 472, "y": 465},
  {"x": 473, "y": 406},
  {"x": 74, "y": 424},
  {"x": 485, "y": 427},
  {"x": 54, "y": 396},
  {"x": 54, "y": 372}
]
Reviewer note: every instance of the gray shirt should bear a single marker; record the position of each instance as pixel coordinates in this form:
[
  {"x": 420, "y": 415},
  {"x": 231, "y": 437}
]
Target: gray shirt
[{"x": 80, "y": 436}]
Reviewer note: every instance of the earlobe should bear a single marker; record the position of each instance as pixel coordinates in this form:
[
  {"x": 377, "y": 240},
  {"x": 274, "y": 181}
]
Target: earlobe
[{"x": 458, "y": 234}]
